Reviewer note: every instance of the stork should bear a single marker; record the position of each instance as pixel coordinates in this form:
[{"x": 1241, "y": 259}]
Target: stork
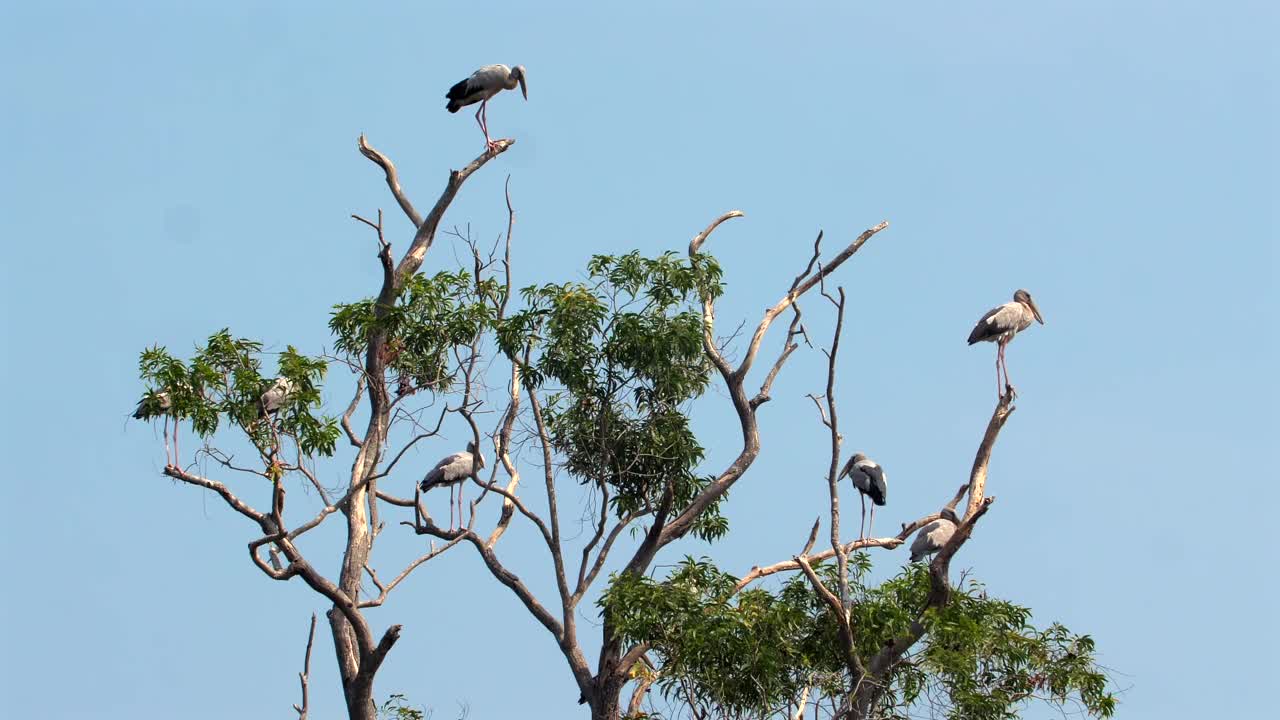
[
  {"x": 275, "y": 397},
  {"x": 482, "y": 85},
  {"x": 159, "y": 403},
  {"x": 453, "y": 470},
  {"x": 934, "y": 536},
  {"x": 868, "y": 477},
  {"x": 1000, "y": 324}
]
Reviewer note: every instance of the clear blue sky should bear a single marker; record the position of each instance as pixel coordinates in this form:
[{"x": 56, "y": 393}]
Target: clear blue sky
[{"x": 168, "y": 171}]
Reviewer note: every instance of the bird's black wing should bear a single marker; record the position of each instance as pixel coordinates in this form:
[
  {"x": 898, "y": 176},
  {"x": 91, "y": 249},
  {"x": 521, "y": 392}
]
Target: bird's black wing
[
  {"x": 458, "y": 91},
  {"x": 877, "y": 489},
  {"x": 985, "y": 330}
]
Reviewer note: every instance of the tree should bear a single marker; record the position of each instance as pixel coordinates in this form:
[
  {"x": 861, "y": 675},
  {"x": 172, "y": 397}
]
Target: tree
[
  {"x": 404, "y": 341},
  {"x": 605, "y": 373}
]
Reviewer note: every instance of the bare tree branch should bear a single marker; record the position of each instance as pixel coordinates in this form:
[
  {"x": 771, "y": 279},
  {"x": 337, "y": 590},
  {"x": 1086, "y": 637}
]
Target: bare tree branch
[
  {"x": 305, "y": 675},
  {"x": 346, "y": 416},
  {"x": 939, "y": 586},
  {"x": 734, "y": 381},
  {"x": 383, "y": 591},
  {"x": 236, "y": 503},
  {"x": 427, "y": 228},
  {"x": 393, "y": 180}
]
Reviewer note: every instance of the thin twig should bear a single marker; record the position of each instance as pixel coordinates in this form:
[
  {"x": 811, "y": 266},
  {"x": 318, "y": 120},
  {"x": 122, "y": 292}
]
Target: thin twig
[{"x": 305, "y": 675}]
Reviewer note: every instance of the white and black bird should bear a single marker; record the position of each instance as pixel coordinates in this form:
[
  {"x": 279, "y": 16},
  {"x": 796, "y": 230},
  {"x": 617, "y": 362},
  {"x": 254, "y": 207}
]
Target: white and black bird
[
  {"x": 934, "y": 536},
  {"x": 454, "y": 470},
  {"x": 152, "y": 404},
  {"x": 1000, "y": 324},
  {"x": 275, "y": 397},
  {"x": 482, "y": 85},
  {"x": 160, "y": 403},
  {"x": 868, "y": 477}
]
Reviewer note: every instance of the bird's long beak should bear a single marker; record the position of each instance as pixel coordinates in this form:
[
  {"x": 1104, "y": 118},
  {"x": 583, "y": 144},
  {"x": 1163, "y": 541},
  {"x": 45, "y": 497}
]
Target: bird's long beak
[
  {"x": 1035, "y": 311},
  {"x": 524, "y": 89}
]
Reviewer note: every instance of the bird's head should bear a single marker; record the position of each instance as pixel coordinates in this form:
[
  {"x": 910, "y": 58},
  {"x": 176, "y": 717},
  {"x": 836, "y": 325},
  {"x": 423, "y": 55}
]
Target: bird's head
[
  {"x": 1024, "y": 297},
  {"x": 857, "y": 458},
  {"x": 517, "y": 72},
  {"x": 479, "y": 456},
  {"x": 950, "y": 515}
]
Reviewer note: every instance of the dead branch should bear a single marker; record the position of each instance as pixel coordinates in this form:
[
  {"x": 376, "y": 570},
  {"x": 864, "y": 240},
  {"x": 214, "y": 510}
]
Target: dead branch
[
  {"x": 383, "y": 591},
  {"x": 939, "y": 586},
  {"x": 393, "y": 180},
  {"x": 648, "y": 677},
  {"x": 346, "y": 416},
  {"x": 734, "y": 379},
  {"x": 236, "y": 503},
  {"x": 427, "y": 228},
  {"x": 305, "y": 675}
]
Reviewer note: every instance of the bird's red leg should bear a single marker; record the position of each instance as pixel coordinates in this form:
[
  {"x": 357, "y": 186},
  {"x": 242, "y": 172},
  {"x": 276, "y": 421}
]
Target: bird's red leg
[
  {"x": 999, "y": 369},
  {"x": 999, "y": 387},
  {"x": 451, "y": 507},
  {"x": 862, "y": 524},
  {"x": 166, "y": 442},
  {"x": 484, "y": 107},
  {"x": 488, "y": 145},
  {"x": 460, "y": 489},
  {"x": 871, "y": 523},
  {"x": 1008, "y": 384},
  {"x": 175, "y": 442}
]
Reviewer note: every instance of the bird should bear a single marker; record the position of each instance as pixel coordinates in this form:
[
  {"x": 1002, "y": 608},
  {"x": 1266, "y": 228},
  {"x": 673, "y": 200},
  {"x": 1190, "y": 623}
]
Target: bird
[
  {"x": 1000, "y": 324},
  {"x": 152, "y": 404},
  {"x": 482, "y": 85},
  {"x": 160, "y": 403},
  {"x": 934, "y": 536},
  {"x": 868, "y": 477},
  {"x": 275, "y": 397},
  {"x": 453, "y": 470}
]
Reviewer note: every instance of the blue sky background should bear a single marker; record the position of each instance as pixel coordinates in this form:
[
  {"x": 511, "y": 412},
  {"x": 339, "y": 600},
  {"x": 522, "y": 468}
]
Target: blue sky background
[{"x": 169, "y": 170}]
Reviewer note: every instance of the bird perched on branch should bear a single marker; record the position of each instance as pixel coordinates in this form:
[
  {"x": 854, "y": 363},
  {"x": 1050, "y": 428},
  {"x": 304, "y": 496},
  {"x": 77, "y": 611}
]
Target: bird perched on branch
[
  {"x": 482, "y": 85},
  {"x": 868, "y": 477},
  {"x": 934, "y": 536},
  {"x": 152, "y": 404},
  {"x": 160, "y": 403},
  {"x": 1000, "y": 324},
  {"x": 453, "y": 470},
  {"x": 275, "y": 397}
]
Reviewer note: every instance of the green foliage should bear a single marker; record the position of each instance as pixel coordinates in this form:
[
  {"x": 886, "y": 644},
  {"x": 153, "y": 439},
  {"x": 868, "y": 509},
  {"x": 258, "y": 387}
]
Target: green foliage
[
  {"x": 626, "y": 348},
  {"x": 431, "y": 316},
  {"x": 397, "y": 707},
  {"x": 742, "y": 654},
  {"x": 747, "y": 655},
  {"x": 223, "y": 380}
]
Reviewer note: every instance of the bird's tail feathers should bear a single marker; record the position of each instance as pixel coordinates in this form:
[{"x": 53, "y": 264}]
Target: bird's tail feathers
[{"x": 453, "y": 106}]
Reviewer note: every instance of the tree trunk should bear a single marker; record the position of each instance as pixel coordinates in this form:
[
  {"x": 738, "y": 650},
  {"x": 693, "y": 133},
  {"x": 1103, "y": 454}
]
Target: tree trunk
[
  {"x": 606, "y": 701},
  {"x": 357, "y": 687}
]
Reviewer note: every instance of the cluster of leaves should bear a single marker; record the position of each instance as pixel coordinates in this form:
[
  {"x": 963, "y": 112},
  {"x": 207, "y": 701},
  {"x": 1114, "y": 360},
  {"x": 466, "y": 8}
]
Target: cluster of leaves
[
  {"x": 987, "y": 657},
  {"x": 224, "y": 379},
  {"x": 397, "y": 707},
  {"x": 739, "y": 655},
  {"x": 431, "y": 316},
  {"x": 752, "y": 653},
  {"x": 626, "y": 347}
]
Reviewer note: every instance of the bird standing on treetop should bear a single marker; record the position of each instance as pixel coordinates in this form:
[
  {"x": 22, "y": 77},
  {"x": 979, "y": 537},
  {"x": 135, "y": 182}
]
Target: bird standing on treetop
[
  {"x": 159, "y": 403},
  {"x": 151, "y": 404},
  {"x": 451, "y": 471},
  {"x": 482, "y": 85},
  {"x": 1000, "y": 324},
  {"x": 868, "y": 477},
  {"x": 275, "y": 397},
  {"x": 934, "y": 536}
]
